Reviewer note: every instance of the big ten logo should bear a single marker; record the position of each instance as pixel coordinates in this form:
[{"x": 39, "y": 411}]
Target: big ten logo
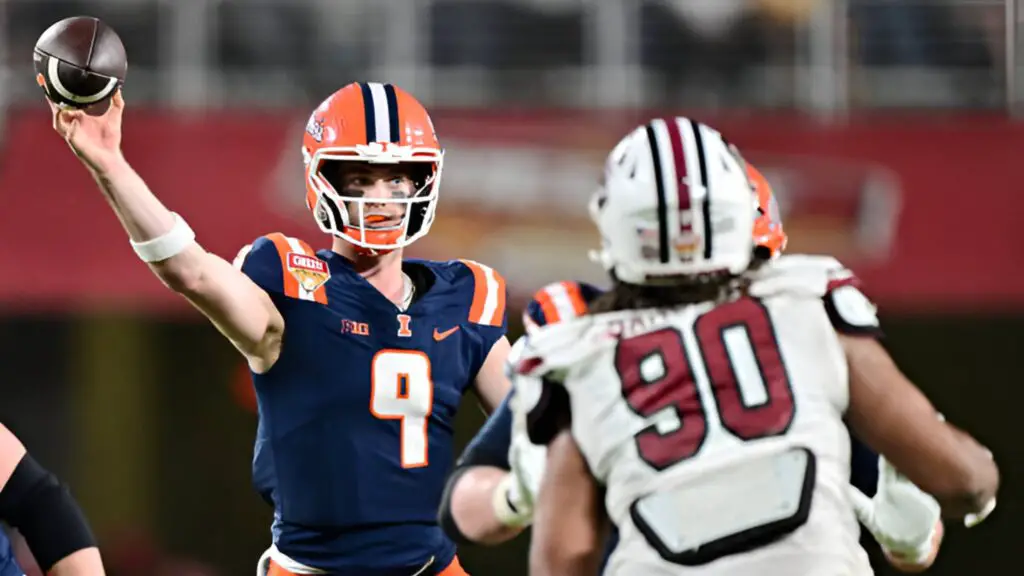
[{"x": 353, "y": 327}]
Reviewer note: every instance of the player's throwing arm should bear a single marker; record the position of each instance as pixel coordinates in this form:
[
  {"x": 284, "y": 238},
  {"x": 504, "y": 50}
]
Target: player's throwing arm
[{"x": 235, "y": 304}]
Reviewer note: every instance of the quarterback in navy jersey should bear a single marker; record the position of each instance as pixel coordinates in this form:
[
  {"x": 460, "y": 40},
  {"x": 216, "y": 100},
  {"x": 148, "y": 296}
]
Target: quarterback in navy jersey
[
  {"x": 359, "y": 357},
  {"x": 390, "y": 416}
]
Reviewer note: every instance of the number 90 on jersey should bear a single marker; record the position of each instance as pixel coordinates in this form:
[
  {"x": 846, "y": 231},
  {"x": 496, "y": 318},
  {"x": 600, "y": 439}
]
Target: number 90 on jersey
[{"x": 743, "y": 366}]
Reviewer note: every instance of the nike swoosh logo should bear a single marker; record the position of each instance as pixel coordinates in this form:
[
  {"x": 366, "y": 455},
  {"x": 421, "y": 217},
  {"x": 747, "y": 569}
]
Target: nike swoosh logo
[{"x": 438, "y": 335}]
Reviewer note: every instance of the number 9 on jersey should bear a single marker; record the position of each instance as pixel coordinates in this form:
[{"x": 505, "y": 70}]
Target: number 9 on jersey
[{"x": 402, "y": 389}]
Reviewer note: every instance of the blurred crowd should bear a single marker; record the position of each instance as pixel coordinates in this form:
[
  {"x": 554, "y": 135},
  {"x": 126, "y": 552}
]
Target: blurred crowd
[{"x": 688, "y": 43}]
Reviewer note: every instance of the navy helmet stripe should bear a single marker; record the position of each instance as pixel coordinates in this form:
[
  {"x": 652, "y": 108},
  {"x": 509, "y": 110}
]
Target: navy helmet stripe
[
  {"x": 369, "y": 113},
  {"x": 392, "y": 98},
  {"x": 652, "y": 140},
  {"x": 706, "y": 207}
]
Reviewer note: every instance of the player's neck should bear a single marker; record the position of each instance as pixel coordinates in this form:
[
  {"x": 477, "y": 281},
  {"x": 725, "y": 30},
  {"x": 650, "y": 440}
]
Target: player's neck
[{"x": 383, "y": 272}]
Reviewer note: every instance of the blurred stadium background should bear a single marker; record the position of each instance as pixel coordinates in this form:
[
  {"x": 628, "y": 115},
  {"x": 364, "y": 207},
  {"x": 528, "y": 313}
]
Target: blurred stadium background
[{"x": 887, "y": 127}]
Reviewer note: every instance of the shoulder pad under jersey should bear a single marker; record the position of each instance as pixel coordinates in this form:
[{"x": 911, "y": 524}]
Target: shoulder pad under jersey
[
  {"x": 487, "y": 306},
  {"x": 284, "y": 265},
  {"x": 850, "y": 311},
  {"x": 552, "y": 350},
  {"x": 797, "y": 275},
  {"x": 543, "y": 405},
  {"x": 557, "y": 302}
]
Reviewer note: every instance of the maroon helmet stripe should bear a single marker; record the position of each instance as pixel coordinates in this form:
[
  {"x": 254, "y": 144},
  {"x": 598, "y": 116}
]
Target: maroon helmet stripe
[{"x": 679, "y": 161}]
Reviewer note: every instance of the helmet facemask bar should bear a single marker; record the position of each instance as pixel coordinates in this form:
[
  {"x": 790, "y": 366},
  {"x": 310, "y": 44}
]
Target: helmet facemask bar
[{"x": 332, "y": 208}]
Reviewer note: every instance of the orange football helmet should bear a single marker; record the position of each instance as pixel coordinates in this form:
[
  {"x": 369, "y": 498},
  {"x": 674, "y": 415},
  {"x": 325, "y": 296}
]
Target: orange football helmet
[
  {"x": 768, "y": 233},
  {"x": 376, "y": 124}
]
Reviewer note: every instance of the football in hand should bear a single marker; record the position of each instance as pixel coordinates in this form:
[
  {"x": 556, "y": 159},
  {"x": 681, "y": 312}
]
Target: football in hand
[{"x": 79, "y": 62}]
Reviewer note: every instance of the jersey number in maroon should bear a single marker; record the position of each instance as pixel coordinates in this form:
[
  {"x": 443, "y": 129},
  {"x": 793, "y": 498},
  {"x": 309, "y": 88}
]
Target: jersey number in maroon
[{"x": 657, "y": 373}]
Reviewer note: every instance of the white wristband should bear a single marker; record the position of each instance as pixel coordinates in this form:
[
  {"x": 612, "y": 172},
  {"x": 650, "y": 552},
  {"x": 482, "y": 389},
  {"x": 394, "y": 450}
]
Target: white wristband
[
  {"x": 167, "y": 246},
  {"x": 502, "y": 504},
  {"x": 972, "y": 520}
]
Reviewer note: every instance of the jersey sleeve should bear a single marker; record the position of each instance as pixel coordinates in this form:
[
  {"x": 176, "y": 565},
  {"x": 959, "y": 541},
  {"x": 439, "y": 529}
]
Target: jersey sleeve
[
  {"x": 849, "y": 310},
  {"x": 261, "y": 262},
  {"x": 487, "y": 304},
  {"x": 486, "y": 309},
  {"x": 284, "y": 266}
]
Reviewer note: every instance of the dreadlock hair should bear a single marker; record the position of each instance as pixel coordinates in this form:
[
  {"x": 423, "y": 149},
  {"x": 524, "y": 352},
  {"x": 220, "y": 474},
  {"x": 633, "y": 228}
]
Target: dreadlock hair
[
  {"x": 683, "y": 291},
  {"x": 671, "y": 292}
]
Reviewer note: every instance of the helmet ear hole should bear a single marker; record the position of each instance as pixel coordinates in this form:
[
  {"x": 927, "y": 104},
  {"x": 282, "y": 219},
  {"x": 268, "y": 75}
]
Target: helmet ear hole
[
  {"x": 321, "y": 215},
  {"x": 330, "y": 215},
  {"x": 762, "y": 253},
  {"x": 417, "y": 216},
  {"x": 420, "y": 174}
]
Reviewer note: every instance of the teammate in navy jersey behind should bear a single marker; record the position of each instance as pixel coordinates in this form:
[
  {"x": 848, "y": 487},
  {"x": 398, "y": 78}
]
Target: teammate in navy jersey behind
[
  {"x": 35, "y": 502},
  {"x": 483, "y": 503},
  {"x": 359, "y": 358}
]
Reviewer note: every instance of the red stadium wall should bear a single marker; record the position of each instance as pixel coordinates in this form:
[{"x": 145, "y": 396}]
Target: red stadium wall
[{"x": 926, "y": 211}]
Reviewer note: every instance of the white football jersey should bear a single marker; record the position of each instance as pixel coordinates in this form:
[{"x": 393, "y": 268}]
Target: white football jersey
[{"x": 708, "y": 421}]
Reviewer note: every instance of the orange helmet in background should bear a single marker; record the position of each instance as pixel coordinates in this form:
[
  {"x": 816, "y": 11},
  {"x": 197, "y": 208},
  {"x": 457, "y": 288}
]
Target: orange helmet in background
[
  {"x": 375, "y": 124},
  {"x": 769, "y": 237}
]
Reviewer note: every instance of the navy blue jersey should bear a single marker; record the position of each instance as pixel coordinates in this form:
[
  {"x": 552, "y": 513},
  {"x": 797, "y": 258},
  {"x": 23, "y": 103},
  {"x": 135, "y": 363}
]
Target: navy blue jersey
[
  {"x": 356, "y": 416},
  {"x": 8, "y": 565}
]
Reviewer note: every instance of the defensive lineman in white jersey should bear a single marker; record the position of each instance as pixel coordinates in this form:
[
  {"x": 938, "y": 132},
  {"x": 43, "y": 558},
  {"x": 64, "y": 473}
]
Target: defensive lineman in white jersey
[{"x": 700, "y": 406}]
